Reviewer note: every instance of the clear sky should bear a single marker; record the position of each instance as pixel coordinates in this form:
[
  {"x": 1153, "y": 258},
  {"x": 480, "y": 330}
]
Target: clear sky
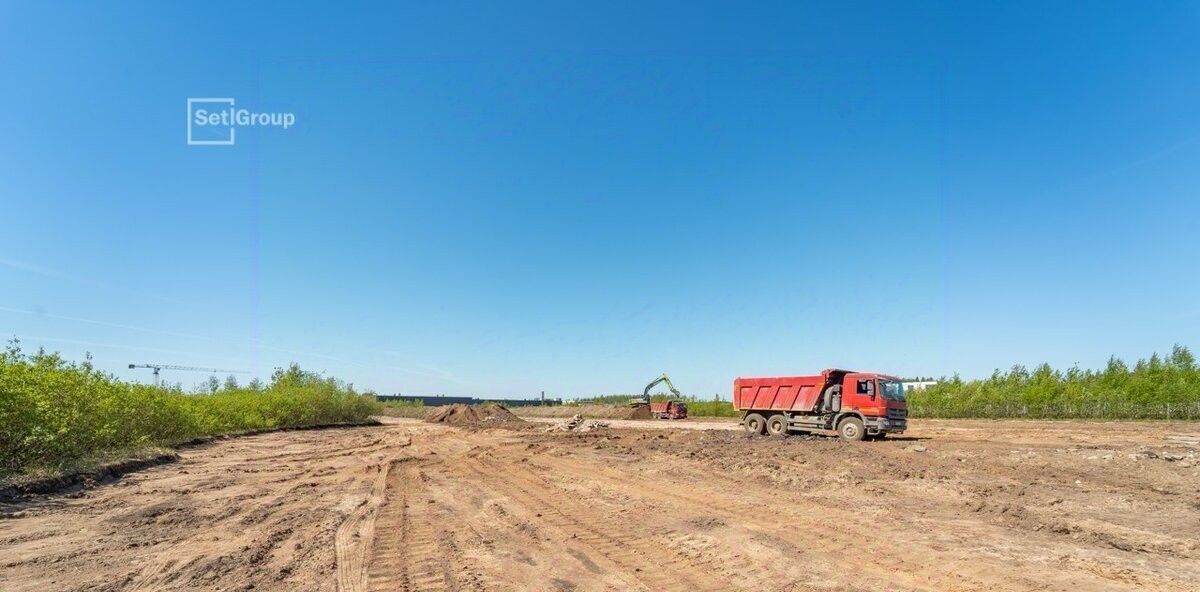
[{"x": 508, "y": 198}]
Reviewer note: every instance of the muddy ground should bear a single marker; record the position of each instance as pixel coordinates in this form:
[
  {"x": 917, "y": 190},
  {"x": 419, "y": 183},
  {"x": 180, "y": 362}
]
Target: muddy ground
[{"x": 416, "y": 506}]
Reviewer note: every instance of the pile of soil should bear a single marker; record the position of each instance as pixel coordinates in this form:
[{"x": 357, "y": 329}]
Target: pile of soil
[
  {"x": 460, "y": 414},
  {"x": 640, "y": 412}
]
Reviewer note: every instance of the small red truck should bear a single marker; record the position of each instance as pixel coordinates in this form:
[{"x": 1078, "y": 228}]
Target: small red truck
[
  {"x": 856, "y": 404},
  {"x": 669, "y": 409}
]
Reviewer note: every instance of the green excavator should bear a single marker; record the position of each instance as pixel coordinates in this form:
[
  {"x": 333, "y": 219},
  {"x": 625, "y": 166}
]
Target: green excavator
[{"x": 672, "y": 409}]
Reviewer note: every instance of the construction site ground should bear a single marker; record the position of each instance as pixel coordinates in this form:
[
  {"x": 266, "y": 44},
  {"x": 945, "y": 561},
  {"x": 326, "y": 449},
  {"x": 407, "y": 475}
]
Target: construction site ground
[{"x": 952, "y": 505}]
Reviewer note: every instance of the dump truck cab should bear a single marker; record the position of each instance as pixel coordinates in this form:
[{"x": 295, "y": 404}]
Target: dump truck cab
[
  {"x": 855, "y": 404},
  {"x": 876, "y": 399}
]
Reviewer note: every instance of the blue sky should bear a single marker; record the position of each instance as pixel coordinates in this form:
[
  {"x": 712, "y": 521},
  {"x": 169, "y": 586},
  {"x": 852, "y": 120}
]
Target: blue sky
[{"x": 507, "y": 198}]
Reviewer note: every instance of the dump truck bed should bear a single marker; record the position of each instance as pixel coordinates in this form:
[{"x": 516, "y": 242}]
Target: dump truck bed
[{"x": 777, "y": 393}]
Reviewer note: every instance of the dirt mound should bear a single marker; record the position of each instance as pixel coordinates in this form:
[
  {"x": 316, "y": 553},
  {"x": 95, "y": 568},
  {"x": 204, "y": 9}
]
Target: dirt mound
[
  {"x": 460, "y": 414},
  {"x": 640, "y": 412}
]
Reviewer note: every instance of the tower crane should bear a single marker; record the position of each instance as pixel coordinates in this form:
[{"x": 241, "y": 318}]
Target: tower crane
[{"x": 157, "y": 367}]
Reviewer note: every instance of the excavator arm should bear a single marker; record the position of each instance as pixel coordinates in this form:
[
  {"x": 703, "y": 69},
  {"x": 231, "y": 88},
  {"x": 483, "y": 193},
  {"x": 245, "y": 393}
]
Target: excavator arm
[{"x": 661, "y": 379}]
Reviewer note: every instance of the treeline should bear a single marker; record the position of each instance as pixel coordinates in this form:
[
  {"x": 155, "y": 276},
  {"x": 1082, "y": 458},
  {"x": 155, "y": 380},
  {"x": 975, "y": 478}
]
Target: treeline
[
  {"x": 55, "y": 414},
  {"x": 1161, "y": 387}
]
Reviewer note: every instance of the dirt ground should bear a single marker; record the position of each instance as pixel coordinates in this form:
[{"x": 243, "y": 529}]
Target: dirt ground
[
  {"x": 591, "y": 411},
  {"x": 416, "y": 506}
]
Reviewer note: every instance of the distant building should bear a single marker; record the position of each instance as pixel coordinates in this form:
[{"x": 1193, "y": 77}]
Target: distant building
[{"x": 917, "y": 385}]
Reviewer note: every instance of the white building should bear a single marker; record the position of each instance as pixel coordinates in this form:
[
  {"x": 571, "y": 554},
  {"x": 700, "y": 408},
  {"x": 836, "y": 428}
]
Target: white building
[{"x": 917, "y": 385}]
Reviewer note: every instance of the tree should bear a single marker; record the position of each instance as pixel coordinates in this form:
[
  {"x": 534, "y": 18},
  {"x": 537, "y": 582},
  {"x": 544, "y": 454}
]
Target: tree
[{"x": 1182, "y": 358}]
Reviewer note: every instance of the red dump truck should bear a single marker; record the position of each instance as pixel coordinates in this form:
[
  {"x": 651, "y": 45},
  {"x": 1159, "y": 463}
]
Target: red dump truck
[
  {"x": 856, "y": 404},
  {"x": 669, "y": 409}
]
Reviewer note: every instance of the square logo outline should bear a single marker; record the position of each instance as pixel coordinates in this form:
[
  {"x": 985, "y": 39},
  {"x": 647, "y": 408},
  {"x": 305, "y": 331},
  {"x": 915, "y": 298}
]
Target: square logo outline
[{"x": 190, "y": 141}]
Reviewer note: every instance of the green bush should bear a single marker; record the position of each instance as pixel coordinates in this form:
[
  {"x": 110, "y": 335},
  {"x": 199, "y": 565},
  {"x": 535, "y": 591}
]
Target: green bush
[
  {"x": 410, "y": 409},
  {"x": 711, "y": 408},
  {"x": 55, "y": 414}
]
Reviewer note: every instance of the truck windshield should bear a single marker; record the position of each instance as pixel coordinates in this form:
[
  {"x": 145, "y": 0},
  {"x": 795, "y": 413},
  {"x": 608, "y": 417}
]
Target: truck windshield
[{"x": 892, "y": 390}]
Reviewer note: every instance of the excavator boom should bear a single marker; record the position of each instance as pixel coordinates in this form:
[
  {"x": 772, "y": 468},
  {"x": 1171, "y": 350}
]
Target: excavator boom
[
  {"x": 661, "y": 379},
  {"x": 673, "y": 409}
]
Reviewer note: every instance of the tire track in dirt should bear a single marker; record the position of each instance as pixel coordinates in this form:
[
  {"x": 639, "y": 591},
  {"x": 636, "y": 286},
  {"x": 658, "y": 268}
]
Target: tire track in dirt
[
  {"x": 355, "y": 535},
  {"x": 752, "y": 557},
  {"x": 354, "y": 538},
  {"x": 411, "y": 551},
  {"x": 449, "y": 506},
  {"x": 786, "y": 523},
  {"x": 783, "y": 524},
  {"x": 158, "y": 572},
  {"x": 145, "y": 579},
  {"x": 389, "y": 553},
  {"x": 306, "y": 456},
  {"x": 738, "y": 555},
  {"x": 633, "y": 553},
  {"x": 732, "y": 563}
]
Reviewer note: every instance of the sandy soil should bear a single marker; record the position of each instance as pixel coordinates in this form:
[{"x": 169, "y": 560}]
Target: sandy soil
[{"x": 415, "y": 506}]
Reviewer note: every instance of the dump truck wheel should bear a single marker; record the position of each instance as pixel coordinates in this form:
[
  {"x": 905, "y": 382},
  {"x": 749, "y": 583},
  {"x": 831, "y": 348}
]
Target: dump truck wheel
[
  {"x": 851, "y": 429},
  {"x": 754, "y": 423},
  {"x": 777, "y": 425}
]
